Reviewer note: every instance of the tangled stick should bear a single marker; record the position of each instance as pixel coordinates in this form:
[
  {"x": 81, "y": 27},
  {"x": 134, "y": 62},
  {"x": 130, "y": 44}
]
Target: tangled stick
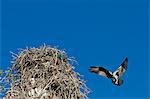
[{"x": 45, "y": 73}]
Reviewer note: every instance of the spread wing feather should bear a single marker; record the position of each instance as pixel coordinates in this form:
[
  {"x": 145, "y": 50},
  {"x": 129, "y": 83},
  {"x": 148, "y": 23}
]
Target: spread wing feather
[
  {"x": 101, "y": 71},
  {"x": 123, "y": 67}
]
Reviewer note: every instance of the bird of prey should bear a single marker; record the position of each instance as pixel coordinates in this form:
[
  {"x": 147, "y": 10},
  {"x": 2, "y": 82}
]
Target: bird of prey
[{"x": 114, "y": 76}]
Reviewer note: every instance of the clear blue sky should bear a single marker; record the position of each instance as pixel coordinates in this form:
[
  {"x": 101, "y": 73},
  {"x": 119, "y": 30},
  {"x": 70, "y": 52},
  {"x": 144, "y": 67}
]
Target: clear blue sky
[{"x": 95, "y": 32}]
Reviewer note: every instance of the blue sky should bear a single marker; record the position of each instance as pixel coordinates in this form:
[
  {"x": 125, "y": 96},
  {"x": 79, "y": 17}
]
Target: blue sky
[{"x": 95, "y": 32}]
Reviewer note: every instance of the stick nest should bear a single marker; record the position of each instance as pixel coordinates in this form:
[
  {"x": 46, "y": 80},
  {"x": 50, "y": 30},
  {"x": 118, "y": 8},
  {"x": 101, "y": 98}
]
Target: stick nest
[{"x": 45, "y": 73}]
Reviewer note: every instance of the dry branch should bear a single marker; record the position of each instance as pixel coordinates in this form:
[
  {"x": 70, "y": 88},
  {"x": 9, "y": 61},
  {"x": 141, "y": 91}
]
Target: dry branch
[{"x": 45, "y": 73}]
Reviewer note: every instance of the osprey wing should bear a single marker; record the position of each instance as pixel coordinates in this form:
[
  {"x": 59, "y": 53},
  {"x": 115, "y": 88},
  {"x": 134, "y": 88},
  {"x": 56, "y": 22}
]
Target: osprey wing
[
  {"x": 123, "y": 67},
  {"x": 101, "y": 71}
]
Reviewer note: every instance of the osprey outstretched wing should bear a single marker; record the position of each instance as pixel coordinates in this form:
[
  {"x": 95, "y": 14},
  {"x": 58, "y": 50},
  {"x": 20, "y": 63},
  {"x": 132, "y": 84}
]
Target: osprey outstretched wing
[
  {"x": 114, "y": 76},
  {"x": 123, "y": 67},
  {"x": 101, "y": 71}
]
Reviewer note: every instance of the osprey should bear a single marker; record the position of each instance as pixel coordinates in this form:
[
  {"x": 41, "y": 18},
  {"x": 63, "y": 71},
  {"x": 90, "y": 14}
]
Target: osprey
[{"x": 114, "y": 76}]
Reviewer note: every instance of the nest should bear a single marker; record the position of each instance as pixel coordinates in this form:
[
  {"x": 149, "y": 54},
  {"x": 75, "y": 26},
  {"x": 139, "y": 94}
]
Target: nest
[{"x": 45, "y": 73}]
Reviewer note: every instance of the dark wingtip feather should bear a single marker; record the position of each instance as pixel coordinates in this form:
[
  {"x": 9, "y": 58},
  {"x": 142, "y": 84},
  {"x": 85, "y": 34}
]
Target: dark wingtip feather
[
  {"x": 91, "y": 67},
  {"x": 125, "y": 63},
  {"x": 94, "y": 69},
  {"x": 126, "y": 59}
]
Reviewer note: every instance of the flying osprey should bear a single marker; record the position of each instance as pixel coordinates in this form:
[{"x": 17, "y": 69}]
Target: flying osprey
[{"x": 114, "y": 76}]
